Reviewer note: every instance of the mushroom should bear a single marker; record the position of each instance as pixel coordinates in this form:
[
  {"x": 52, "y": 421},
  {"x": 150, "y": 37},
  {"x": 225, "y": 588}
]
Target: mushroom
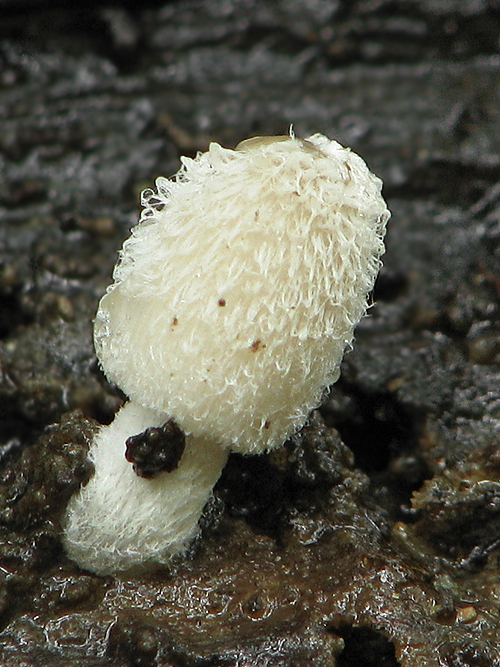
[{"x": 232, "y": 304}]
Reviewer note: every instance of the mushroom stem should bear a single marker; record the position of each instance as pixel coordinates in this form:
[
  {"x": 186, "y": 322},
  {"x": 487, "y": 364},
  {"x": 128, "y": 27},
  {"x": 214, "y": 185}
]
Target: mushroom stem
[{"x": 119, "y": 520}]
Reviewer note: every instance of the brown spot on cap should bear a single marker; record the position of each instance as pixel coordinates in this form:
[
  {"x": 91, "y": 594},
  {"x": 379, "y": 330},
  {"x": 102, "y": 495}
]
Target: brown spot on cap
[
  {"x": 175, "y": 322},
  {"x": 267, "y": 424},
  {"x": 221, "y": 303},
  {"x": 257, "y": 345}
]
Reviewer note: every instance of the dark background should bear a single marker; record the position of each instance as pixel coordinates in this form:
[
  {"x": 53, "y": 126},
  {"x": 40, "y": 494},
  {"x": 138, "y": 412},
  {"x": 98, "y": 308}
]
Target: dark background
[{"x": 371, "y": 537}]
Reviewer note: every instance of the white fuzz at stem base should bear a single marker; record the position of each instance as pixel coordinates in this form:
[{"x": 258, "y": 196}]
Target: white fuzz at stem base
[{"x": 119, "y": 520}]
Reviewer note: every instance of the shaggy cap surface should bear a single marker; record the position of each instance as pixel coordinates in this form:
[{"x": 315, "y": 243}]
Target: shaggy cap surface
[{"x": 239, "y": 290}]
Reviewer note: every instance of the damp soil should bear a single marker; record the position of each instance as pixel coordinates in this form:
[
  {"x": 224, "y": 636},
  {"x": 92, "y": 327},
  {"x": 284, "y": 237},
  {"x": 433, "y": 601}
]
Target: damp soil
[{"x": 373, "y": 536}]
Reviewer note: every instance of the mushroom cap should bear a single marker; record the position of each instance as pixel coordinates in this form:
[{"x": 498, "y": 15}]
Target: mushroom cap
[{"x": 237, "y": 293}]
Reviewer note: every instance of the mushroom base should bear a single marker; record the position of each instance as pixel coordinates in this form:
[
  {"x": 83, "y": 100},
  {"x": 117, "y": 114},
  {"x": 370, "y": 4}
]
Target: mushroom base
[{"x": 120, "y": 521}]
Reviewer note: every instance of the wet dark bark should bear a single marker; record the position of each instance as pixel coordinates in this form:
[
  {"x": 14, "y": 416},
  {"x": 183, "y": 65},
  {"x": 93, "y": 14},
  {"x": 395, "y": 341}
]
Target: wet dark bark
[{"x": 373, "y": 536}]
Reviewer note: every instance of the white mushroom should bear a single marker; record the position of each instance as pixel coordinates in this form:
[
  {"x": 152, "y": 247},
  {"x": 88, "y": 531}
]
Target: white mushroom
[{"x": 232, "y": 304}]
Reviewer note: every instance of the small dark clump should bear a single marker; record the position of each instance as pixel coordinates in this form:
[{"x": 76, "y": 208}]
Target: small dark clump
[{"x": 155, "y": 450}]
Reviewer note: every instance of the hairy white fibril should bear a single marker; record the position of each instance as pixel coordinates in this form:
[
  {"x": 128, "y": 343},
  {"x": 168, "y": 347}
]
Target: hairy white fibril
[
  {"x": 120, "y": 520},
  {"x": 232, "y": 304}
]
